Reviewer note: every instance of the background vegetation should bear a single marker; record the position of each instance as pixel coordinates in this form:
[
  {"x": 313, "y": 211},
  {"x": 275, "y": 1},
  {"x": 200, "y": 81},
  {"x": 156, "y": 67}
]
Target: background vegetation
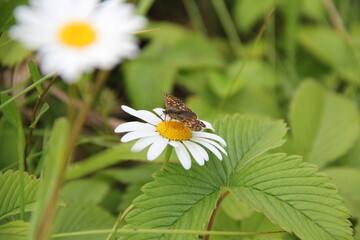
[{"x": 296, "y": 60}]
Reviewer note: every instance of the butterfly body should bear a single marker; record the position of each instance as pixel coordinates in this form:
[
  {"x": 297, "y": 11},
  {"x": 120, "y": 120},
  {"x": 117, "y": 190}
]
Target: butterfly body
[{"x": 176, "y": 109}]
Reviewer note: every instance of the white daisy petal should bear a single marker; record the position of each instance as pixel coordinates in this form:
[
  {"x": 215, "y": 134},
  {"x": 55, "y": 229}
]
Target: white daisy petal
[
  {"x": 183, "y": 156},
  {"x": 157, "y": 148},
  {"x": 195, "y": 153},
  {"x": 201, "y": 150},
  {"x": 142, "y": 143},
  {"x": 208, "y": 125},
  {"x": 134, "y": 126},
  {"x": 138, "y": 134},
  {"x": 211, "y": 136},
  {"x": 215, "y": 144},
  {"x": 161, "y": 114},
  {"x": 142, "y": 114},
  {"x": 210, "y": 147},
  {"x": 107, "y": 38}
]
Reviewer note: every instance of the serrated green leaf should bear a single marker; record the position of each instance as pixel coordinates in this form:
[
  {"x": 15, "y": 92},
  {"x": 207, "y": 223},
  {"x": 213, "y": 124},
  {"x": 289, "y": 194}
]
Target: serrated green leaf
[
  {"x": 294, "y": 195},
  {"x": 43, "y": 110},
  {"x": 15, "y": 230},
  {"x": 180, "y": 199},
  {"x": 324, "y": 125},
  {"x": 348, "y": 181},
  {"x": 10, "y": 192}
]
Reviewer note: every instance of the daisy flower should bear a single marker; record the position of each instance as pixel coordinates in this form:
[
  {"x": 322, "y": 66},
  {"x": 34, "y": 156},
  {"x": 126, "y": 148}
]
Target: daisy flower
[
  {"x": 73, "y": 37},
  {"x": 160, "y": 131}
]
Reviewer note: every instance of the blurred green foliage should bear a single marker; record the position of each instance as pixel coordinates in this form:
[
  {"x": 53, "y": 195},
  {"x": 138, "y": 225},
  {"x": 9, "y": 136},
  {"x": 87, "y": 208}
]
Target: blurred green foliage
[{"x": 300, "y": 63}]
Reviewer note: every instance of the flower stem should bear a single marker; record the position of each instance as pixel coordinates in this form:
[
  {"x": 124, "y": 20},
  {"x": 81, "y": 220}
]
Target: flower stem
[
  {"x": 122, "y": 215},
  {"x": 33, "y": 115},
  {"x": 47, "y": 217},
  {"x": 213, "y": 214},
  {"x": 167, "y": 157}
]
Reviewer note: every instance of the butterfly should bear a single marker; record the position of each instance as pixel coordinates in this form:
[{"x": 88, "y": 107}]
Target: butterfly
[{"x": 176, "y": 109}]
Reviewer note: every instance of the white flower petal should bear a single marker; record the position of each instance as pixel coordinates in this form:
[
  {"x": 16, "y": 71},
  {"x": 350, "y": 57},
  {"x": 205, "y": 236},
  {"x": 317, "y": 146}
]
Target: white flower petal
[
  {"x": 142, "y": 143},
  {"x": 174, "y": 143},
  {"x": 138, "y": 134},
  {"x": 40, "y": 24},
  {"x": 210, "y": 147},
  {"x": 142, "y": 114},
  {"x": 201, "y": 150},
  {"x": 161, "y": 114},
  {"x": 215, "y": 144},
  {"x": 211, "y": 136},
  {"x": 157, "y": 148},
  {"x": 195, "y": 153},
  {"x": 183, "y": 156},
  {"x": 208, "y": 125},
  {"x": 134, "y": 126}
]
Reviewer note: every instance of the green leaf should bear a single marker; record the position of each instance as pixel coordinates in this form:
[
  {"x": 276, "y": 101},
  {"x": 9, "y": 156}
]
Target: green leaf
[
  {"x": 10, "y": 192},
  {"x": 155, "y": 71},
  {"x": 11, "y": 52},
  {"x": 294, "y": 195},
  {"x": 35, "y": 75},
  {"x": 101, "y": 160},
  {"x": 180, "y": 199},
  {"x": 82, "y": 216},
  {"x": 15, "y": 230},
  {"x": 7, "y": 9},
  {"x": 155, "y": 75},
  {"x": 324, "y": 125},
  {"x": 332, "y": 48},
  {"x": 53, "y": 161},
  {"x": 235, "y": 208},
  {"x": 43, "y": 110},
  {"x": 85, "y": 190},
  {"x": 348, "y": 181},
  {"x": 247, "y": 14},
  {"x": 11, "y": 112}
]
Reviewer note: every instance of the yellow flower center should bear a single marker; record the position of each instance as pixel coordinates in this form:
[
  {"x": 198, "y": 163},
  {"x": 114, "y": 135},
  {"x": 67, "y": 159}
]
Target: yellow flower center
[
  {"x": 77, "y": 34},
  {"x": 173, "y": 130}
]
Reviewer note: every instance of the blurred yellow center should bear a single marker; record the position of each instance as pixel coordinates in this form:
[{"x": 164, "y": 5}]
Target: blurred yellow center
[
  {"x": 77, "y": 34},
  {"x": 173, "y": 130}
]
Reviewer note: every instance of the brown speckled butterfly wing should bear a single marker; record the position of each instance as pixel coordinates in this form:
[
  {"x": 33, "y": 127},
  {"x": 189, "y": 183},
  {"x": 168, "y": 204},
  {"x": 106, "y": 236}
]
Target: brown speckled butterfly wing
[{"x": 176, "y": 109}]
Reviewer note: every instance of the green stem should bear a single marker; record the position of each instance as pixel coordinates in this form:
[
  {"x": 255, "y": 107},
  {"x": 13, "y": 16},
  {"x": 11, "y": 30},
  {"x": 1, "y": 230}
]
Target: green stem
[
  {"x": 118, "y": 222},
  {"x": 228, "y": 25},
  {"x": 213, "y": 214},
  {"x": 195, "y": 16},
  {"x": 167, "y": 157},
  {"x": 81, "y": 117},
  {"x": 26, "y": 90},
  {"x": 33, "y": 115},
  {"x": 167, "y": 231},
  {"x": 50, "y": 209}
]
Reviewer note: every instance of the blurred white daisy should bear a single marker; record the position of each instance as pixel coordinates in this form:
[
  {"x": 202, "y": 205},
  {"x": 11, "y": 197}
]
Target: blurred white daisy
[
  {"x": 72, "y": 37},
  {"x": 160, "y": 131}
]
